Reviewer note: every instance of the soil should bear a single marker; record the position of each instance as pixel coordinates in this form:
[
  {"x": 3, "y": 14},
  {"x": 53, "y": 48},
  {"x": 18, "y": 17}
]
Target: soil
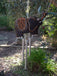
[{"x": 11, "y": 56}]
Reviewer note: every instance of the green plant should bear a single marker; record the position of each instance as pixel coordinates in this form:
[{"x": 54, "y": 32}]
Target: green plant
[
  {"x": 50, "y": 25},
  {"x": 3, "y": 7},
  {"x": 11, "y": 22},
  {"x": 3, "y": 21},
  {"x": 51, "y": 65},
  {"x": 54, "y": 41},
  {"x": 40, "y": 61},
  {"x": 36, "y": 59}
]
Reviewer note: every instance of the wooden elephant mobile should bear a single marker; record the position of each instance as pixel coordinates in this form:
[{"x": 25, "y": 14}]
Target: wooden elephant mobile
[{"x": 29, "y": 25}]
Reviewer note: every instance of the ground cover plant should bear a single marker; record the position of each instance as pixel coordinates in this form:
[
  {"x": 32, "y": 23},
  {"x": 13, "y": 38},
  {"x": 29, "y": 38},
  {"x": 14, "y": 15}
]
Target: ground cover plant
[
  {"x": 39, "y": 64},
  {"x": 40, "y": 61}
]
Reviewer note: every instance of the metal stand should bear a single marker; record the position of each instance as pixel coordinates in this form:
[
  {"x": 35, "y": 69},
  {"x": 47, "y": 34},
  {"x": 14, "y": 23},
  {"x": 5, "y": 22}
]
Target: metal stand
[
  {"x": 25, "y": 36},
  {"x": 29, "y": 44},
  {"x": 24, "y": 43}
]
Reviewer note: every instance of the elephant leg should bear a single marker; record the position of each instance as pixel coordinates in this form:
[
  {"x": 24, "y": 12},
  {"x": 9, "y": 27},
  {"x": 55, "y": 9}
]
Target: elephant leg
[{"x": 18, "y": 40}]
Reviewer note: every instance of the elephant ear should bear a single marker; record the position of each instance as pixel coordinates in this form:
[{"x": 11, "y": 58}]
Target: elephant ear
[
  {"x": 44, "y": 8},
  {"x": 39, "y": 9}
]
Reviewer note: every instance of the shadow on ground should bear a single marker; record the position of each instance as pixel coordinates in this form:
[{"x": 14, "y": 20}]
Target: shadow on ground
[
  {"x": 8, "y": 51},
  {"x": 19, "y": 71}
]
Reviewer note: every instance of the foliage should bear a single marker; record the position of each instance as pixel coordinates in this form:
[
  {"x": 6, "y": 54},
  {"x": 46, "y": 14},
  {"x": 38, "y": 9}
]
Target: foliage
[
  {"x": 17, "y": 9},
  {"x": 3, "y": 8},
  {"x": 39, "y": 61},
  {"x": 54, "y": 42},
  {"x": 11, "y": 22},
  {"x": 51, "y": 65},
  {"x": 50, "y": 25},
  {"x": 3, "y": 21},
  {"x": 36, "y": 59}
]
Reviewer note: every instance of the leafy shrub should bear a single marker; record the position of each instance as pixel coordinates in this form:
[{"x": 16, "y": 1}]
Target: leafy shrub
[
  {"x": 54, "y": 42},
  {"x": 3, "y": 8},
  {"x": 36, "y": 59},
  {"x": 50, "y": 25},
  {"x": 39, "y": 61},
  {"x": 17, "y": 9},
  {"x": 3, "y": 21},
  {"x": 11, "y": 22},
  {"x": 51, "y": 65}
]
